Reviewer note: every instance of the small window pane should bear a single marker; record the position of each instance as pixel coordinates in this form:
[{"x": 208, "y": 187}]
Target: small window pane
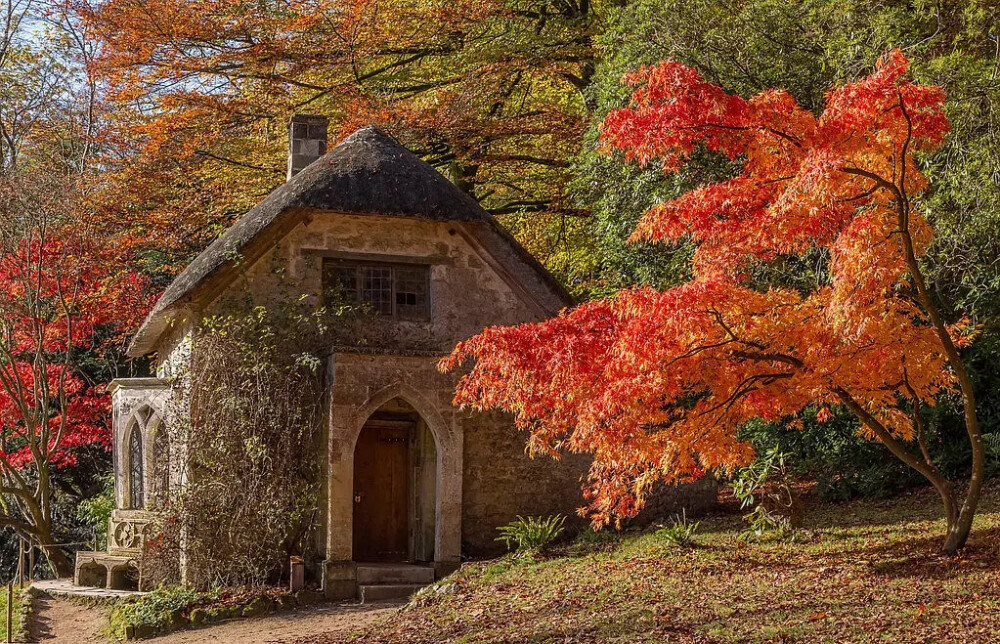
[
  {"x": 411, "y": 292},
  {"x": 340, "y": 283},
  {"x": 376, "y": 288}
]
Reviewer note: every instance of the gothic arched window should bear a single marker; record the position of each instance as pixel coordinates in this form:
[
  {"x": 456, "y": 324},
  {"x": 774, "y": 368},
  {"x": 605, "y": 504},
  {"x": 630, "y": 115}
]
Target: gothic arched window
[
  {"x": 161, "y": 466},
  {"x": 135, "y": 491}
]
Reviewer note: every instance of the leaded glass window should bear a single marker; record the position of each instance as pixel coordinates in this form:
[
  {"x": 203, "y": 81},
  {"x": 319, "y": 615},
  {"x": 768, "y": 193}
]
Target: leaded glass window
[
  {"x": 135, "y": 491},
  {"x": 400, "y": 291}
]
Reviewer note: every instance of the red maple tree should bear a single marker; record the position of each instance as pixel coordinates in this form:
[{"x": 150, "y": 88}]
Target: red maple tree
[
  {"x": 58, "y": 297},
  {"x": 656, "y": 384}
]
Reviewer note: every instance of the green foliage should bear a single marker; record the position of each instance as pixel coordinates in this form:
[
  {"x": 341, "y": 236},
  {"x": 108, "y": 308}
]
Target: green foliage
[
  {"x": 765, "y": 487},
  {"x": 255, "y": 384},
  {"x": 681, "y": 530},
  {"x": 95, "y": 512},
  {"x": 20, "y": 613},
  {"x": 152, "y": 613},
  {"x": 992, "y": 442},
  {"x": 843, "y": 463},
  {"x": 531, "y": 533}
]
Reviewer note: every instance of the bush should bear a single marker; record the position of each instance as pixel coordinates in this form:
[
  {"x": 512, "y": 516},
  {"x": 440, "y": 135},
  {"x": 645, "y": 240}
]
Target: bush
[
  {"x": 95, "y": 512},
  {"x": 844, "y": 464},
  {"x": 152, "y": 613},
  {"x": 531, "y": 533},
  {"x": 765, "y": 486},
  {"x": 255, "y": 391},
  {"x": 681, "y": 531},
  {"x": 171, "y": 608}
]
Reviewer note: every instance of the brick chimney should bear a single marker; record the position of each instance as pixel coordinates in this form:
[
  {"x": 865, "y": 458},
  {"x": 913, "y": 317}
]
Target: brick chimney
[{"x": 306, "y": 141}]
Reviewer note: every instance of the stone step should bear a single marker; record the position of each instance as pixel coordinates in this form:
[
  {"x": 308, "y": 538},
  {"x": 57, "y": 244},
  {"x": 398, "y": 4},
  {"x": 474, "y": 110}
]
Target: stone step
[
  {"x": 394, "y": 574},
  {"x": 369, "y": 593}
]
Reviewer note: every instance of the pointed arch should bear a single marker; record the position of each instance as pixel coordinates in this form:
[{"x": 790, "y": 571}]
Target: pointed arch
[
  {"x": 135, "y": 468},
  {"x": 348, "y": 418},
  {"x": 144, "y": 449},
  {"x": 413, "y": 397}
]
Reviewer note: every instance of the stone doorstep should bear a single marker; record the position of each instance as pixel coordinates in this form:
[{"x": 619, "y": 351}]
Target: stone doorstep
[
  {"x": 394, "y": 574},
  {"x": 386, "y": 591},
  {"x": 381, "y": 581}
]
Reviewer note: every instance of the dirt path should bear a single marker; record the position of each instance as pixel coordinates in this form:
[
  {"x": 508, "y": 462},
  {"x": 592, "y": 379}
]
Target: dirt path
[
  {"x": 61, "y": 621},
  {"x": 58, "y": 620},
  {"x": 286, "y": 627}
]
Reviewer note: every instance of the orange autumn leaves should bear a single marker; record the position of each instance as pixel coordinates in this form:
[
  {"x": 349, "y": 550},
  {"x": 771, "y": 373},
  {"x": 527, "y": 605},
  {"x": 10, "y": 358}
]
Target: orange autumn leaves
[{"x": 656, "y": 384}]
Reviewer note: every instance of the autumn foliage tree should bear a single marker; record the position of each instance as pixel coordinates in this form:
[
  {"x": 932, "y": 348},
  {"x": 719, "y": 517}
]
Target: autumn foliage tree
[
  {"x": 656, "y": 384},
  {"x": 55, "y": 295},
  {"x": 491, "y": 92}
]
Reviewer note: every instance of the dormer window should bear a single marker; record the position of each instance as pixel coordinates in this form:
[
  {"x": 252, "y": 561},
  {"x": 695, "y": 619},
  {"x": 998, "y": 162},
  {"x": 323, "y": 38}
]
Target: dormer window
[{"x": 394, "y": 290}]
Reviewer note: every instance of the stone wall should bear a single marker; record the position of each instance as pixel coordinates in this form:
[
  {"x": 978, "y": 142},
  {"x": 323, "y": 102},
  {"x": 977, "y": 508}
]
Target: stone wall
[
  {"x": 466, "y": 293},
  {"x": 501, "y": 481}
]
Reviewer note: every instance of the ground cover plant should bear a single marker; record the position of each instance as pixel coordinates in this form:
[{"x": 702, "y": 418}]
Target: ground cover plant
[
  {"x": 20, "y": 614},
  {"x": 861, "y": 571},
  {"x": 174, "y": 608}
]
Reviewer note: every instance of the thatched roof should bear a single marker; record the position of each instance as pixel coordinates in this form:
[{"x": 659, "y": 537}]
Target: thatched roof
[{"x": 369, "y": 173}]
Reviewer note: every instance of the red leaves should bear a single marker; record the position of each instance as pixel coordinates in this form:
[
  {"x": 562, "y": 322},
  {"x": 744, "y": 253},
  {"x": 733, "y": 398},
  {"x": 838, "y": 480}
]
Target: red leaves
[
  {"x": 670, "y": 116},
  {"x": 655, "y": 385},
  {"x": 54, "y": 296}
]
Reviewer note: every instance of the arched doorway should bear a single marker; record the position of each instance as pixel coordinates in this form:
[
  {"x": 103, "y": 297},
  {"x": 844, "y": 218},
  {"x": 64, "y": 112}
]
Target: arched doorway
[{"x": 395, "y": 486}]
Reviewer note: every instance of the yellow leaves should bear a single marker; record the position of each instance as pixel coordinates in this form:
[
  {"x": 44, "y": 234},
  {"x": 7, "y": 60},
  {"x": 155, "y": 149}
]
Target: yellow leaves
[{"x": 963, "y": 333}]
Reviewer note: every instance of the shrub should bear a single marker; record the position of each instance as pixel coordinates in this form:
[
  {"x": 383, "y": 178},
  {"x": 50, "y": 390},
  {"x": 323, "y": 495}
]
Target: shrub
[
  {"x": 254, "y": 390},
  {"x": 152, "y": 613},
  {"x": 95, "y": 512},
  {"x": 681, "y": 530},
  {"x": 531, "y": 533},
  {"x": 765, "y": 486}
]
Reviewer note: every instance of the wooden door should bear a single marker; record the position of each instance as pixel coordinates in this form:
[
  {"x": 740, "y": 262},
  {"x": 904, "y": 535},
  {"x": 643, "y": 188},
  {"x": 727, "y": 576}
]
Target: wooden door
[{"x": 381, "y": 492}]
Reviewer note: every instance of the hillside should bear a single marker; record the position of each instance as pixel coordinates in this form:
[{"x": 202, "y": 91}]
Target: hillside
[{"x": 860, "y": 572}]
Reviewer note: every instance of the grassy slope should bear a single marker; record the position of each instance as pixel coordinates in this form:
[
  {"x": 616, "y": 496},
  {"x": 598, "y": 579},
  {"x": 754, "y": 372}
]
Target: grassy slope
[
  {"x": 866, "y": 572},
  {"x": 17, "y": 614}
]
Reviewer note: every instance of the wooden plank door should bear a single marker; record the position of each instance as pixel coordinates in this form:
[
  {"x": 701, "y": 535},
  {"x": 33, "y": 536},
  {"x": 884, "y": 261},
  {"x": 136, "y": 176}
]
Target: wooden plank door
[{"x": 382, "y": 492}]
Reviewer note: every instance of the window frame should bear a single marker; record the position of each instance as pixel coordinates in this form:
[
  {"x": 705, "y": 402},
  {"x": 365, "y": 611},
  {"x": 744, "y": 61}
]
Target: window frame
[{"x": 330, "y": 265}]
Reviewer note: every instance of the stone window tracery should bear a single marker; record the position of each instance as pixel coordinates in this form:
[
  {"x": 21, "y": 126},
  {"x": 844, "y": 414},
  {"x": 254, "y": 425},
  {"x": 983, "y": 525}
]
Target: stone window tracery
[
  {"x": 161, "y": 466},
  {"x": 135, "y": 469}
]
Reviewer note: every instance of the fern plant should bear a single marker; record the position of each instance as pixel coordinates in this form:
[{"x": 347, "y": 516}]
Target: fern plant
[
  {"x": 992, "y": 443},
  {"x": 531, "y": 533},
  {"x": 681, "y": 530}
]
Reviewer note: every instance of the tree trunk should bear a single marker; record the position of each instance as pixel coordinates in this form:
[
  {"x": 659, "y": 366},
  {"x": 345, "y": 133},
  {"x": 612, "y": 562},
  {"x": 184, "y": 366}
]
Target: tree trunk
[{"x": 60, "y": 564}]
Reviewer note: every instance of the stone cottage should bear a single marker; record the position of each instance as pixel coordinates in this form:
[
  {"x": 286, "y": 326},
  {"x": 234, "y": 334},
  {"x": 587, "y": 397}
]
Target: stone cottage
[{"x": 436, "y": 269}]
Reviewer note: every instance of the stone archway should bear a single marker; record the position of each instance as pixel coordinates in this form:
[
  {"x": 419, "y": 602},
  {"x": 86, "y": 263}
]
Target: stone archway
[
  {"x": 395, "y": 487},
  {"x": 125, "y": 577},
  {"x": 348, "y": 416},
  {"x": 92, "y": 574}
]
